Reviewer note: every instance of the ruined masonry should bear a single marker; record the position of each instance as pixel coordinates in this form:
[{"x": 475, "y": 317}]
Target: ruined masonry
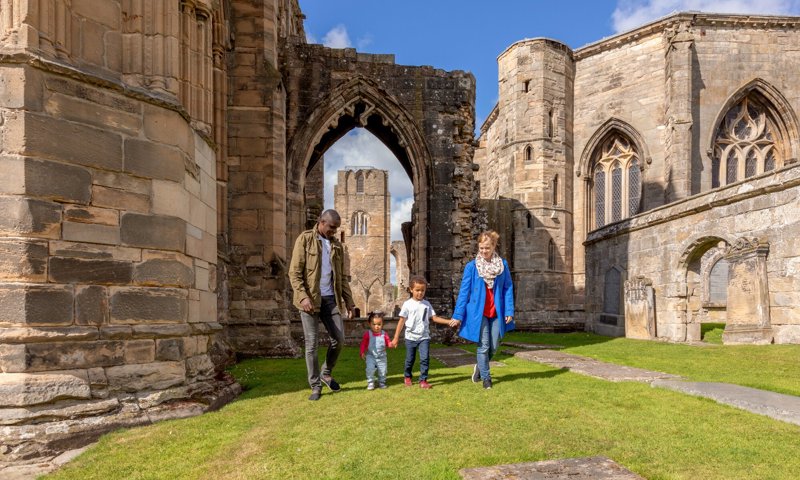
[{"x": 158, "y": 160}]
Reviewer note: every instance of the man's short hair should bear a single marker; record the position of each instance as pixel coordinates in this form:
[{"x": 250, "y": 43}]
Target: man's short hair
[{"x": 330, "y": 215}]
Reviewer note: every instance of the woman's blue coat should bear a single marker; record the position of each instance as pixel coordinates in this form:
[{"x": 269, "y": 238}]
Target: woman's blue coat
[{"x": 471, "y": 299}]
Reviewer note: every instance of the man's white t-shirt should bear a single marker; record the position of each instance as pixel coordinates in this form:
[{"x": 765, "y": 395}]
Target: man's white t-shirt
[
  {"x": 418, "y": 317},
  {"x": 326, "y": 277}
]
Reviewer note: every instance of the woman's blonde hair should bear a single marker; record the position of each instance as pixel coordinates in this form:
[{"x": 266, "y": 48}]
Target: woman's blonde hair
[{"x": 490, "y": 235}]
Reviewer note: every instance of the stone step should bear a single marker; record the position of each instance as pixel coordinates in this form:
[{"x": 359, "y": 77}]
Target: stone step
[
  {"x": 587, "y": 468},
  {"x": 531, "y": 346}
]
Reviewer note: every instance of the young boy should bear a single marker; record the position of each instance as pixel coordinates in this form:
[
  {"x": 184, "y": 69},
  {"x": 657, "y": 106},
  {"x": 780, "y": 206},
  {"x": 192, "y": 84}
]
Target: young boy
[
  {"x": 415, "y": 315},
  {"x": 373, "y": 347}
]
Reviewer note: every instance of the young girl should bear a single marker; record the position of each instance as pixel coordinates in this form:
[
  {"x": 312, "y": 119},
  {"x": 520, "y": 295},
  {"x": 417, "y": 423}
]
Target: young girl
[
  {"x": 373, "y": 347},
  {"x": 415, "y": 315}
]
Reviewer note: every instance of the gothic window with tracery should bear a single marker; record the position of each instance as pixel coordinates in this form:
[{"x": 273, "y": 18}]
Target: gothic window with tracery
[
  {"x": 616, "y": 182},
  {"x": 745, "y": 144},
  {"x": 358, "y": 224}
]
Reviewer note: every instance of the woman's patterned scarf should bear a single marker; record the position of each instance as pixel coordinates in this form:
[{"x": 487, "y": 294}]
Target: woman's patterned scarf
[{"x": 488, "y": 269}]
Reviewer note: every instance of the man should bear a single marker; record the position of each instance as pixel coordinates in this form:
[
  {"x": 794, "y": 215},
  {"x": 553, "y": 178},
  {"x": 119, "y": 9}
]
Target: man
[{"x": 320, "y": 290}]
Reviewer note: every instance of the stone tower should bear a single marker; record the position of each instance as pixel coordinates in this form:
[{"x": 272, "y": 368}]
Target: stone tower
[
  {"x": 526, "y": 178},
  {"x": 361, "y": 196}
]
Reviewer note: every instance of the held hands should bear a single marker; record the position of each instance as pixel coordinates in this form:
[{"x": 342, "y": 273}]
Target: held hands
[
  {"x": 509, "y": 319},
  {"x": 393, "y": 343},
  {"x": 454, "y": 323}
]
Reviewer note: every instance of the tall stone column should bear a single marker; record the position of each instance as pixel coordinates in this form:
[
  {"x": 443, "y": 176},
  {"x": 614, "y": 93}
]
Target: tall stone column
[
  {"x": 678, "y": 165},
  {"x": 748, "y": 294}
]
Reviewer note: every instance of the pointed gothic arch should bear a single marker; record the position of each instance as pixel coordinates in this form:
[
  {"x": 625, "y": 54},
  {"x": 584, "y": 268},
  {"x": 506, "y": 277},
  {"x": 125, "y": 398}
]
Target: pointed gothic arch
[
  {"x": 360, "y": 102},
  {"x": 611, "y": 125},
  {"x": 732, "y": 159}
]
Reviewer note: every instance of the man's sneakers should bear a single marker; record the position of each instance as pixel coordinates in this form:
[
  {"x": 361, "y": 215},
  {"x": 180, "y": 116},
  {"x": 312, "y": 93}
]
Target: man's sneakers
[
  {"x": 330, "y": 383},
  {"x": 370, "y": 386},
  {"x": 476, "y": 374},
  {"x": 381, "y": 385},
  {"x": 407, "y": 382},
  {"x": 315, "y": 395},
  {"x": 424, "y": 384},
  {"x": 487, "y": 383}
]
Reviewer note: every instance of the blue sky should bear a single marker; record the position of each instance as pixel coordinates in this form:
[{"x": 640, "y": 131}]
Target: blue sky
[{"x": 469, "y": 35}]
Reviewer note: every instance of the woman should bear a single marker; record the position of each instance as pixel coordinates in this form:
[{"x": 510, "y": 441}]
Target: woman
[{"x": 485, "y": 305}]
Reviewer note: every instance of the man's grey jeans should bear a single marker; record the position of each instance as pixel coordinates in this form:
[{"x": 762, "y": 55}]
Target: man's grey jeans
[{"x": 330, "y": 317}]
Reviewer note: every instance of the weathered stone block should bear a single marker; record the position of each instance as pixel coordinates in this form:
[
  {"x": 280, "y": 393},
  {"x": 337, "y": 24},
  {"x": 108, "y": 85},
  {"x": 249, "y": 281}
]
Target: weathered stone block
[
  {"x": 71, "y": 108},
  {"x": 170, "y": 198},
  {"x": 199, "y": 367},
  {"x": 59, "y": 411},
  {"x": 86, "y": 250},
  {"x": 91, "y": 305},
  {"x": 23, "y": 260},
  {"x": 120, "y": 199},
  {"x": 74, "y": 355},
  {"x": 40, "y": 178},
  {"x": 122, "y": 181},
  {"x": 169, "y": 127},
  {"x": 29, "y": 217},
  {"x": 163, "y": 272},
  {"x": 78, "y": 270},
  {"x": 91, "y": 233},
  {"x": 151, "y": 160},
  {"x": 83, "y": 214},
  {"x": 106, "y": 13},
  {"x": 151, "y": 376},
  {"x": 169, "y": 349},
  {"x": 35, "y": 305},
  {"x": 148, "y": 305},
  {"x": 153, "y": 231},
  {"x": 25, "y": 389},
  {"x": 47, "y": 137},
  {"x": 140, "y": 351}
]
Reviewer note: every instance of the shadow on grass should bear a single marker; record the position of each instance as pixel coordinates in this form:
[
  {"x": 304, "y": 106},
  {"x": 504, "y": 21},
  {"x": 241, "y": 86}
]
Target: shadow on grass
[
  {"x": 266, "y": 377},
  {"x": 575, "y": 339}
]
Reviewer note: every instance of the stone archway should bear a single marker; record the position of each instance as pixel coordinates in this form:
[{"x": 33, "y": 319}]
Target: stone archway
[
  {"x": 360, "y": 103},
  {"x": 424, "y": 116}
]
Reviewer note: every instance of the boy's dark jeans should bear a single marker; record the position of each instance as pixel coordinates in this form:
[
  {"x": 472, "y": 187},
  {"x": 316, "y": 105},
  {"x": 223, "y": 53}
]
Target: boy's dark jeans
[{"x": 424, "y": 358}]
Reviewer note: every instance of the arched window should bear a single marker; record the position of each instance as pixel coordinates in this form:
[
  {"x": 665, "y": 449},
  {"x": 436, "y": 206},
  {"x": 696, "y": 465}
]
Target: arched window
[
  {"x": 555, "y": 190},
  {"x": 613, "y": 311},
  {"x": 718, "y": 283},
  {"x": 746, "y": 143},
  {"x": 358, "y": 224},
  {"x": 359, "y": 182},
  {"x": 552, "y": 252},
  {"x": 526, "y": 86},
  {"x": 529, "y": 219},
  {"x": 549, "y": 126},
  {"x": 528, "y": 153},
  {"x": 616, "y": 190}
]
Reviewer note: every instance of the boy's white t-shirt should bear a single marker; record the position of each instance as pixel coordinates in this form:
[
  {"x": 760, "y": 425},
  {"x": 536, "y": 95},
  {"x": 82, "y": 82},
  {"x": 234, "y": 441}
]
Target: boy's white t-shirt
[{"x": 418, "y": 316}]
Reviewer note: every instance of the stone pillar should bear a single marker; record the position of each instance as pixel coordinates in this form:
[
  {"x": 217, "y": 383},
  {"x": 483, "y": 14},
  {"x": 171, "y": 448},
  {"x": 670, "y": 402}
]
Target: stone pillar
[
  {"x": 678, "y": 146},
  {"x": 748, "y": 295},
  {"x": 640, "y": 311}
]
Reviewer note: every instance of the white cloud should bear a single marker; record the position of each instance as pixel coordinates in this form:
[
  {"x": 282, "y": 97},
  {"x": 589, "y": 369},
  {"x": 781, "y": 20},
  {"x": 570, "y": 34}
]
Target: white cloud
[
  {"x": 364, "y": 42},
  {"x": 633, "y": 13},
  {"x": 337, "y": 37},
  {"x": 359, "y": 148}
]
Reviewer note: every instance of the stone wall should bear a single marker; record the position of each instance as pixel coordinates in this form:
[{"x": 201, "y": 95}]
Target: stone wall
[
  {"x": 108, "y": 252},
  {"x": 424, "y": 116},
  {"x": 662, "y": 244}
]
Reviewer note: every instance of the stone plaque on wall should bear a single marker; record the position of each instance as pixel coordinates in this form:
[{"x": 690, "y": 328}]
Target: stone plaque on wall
[
  {"x": 640, "y": 312},
  {"x": 748, "y": 295}
]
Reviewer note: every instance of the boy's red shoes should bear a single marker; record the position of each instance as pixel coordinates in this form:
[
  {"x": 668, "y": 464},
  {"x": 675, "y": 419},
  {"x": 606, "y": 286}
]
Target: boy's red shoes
[
  {"x": 424, "y": 384},
  {"x": 407, "y": 381}
]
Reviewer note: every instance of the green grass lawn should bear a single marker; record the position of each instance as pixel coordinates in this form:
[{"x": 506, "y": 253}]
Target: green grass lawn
[
  {"x": 533, "y": 413},
  {"x": 768, "y": 367}
]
